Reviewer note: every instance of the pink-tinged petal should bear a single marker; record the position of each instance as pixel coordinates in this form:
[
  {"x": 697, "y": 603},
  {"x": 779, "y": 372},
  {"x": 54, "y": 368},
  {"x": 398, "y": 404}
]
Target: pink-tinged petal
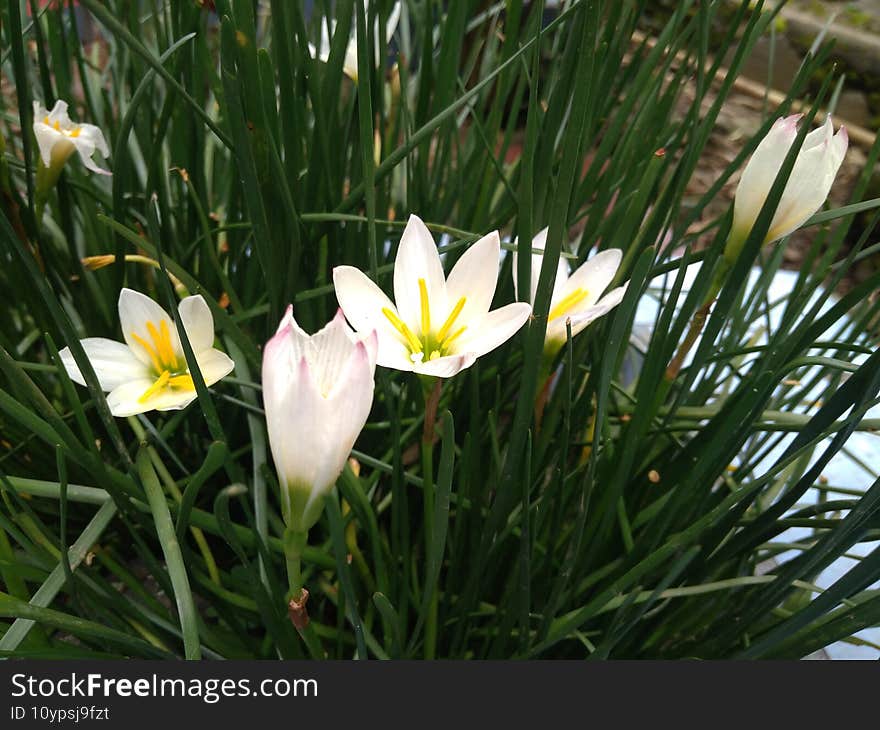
[
  {"x": 495, "y": 328},
  {"x": 362, "y": 303},
  {"x": 761, "y": 170},
  {"x": 417, "y": 258},
  {"x": 113, "y": 362},
  {"x": 473, "y": 278}
]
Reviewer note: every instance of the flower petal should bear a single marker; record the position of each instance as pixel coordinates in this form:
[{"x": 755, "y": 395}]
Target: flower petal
[
  {"x": 135, "y": 310},
  {"x": 417, "y": 258},
  {"x": 362, "y": 303},
  {"x": 473, "y": 278},
  {"x": 47, "y": 138},
  {"x": 562, "y": 268},
  {"x": 761, "y": 171},
  {"x": 125, "y": 400},
  {"x": 495, "y": 328},
  {"x": 198, "y": 322},
  {"x": 581, "y": 318},
  {"x": 214, "y": 365},
  {"x": 594, "y": 275},
  {"x": 446, "y": 366},
  {"x": 329, "y": 352},
  {"x": 113, "y": 362}
]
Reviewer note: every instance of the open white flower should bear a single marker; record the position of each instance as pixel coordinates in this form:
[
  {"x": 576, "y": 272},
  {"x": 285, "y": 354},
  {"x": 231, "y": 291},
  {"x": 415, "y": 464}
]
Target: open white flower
[
  {"x": 576, "y": 297},
  {"x": 148, "y": 371},
  {"x": 807, "y": 187},
  {"x": 58, "y": 138},
  {"x": 438, "y": 326},
  {"x": 350, "y": 63},
  {"x": 317, "y": 393}
]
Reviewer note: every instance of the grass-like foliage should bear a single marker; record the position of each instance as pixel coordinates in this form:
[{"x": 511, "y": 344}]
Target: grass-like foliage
[{"x": 636, "y": 512}]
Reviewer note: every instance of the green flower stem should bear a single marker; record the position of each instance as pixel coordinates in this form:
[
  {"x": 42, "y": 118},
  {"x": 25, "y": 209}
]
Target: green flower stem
[
  {"x": 731, "y": 252},
  {"x": 294, "y": 544},
  {"x": 431, "y": 392}
]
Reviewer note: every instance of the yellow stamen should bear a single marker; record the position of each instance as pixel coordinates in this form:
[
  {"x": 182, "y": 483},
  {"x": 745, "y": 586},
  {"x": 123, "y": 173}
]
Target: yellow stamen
[
  {"x": 154, "y": 356},
  {"x": 434, "y": 355},
  {"x": 57, "y": 126},
  {"x": 445, "y": 344},
  {"x": 406, "y": 332},
  {"x": 450, "y": 320},
  {"x": 46, "y": 120},
  {"x": 74, "y": 133},
  {"x": 184, "y": 382},
  {"x": 166, "y": 342},
  {"x": 426, "y": 308},
  {"x": 573, "y": 299},
  {"x": 160, "y": 383}
]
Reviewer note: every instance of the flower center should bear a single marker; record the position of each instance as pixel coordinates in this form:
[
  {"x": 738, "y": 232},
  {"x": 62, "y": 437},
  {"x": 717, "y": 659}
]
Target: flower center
[
  {"x": 56, "y": 125},
  {"x": 567, "y": 303},
  {"x": 428, "y": 345},
  {"x": 170, "y": 372}
]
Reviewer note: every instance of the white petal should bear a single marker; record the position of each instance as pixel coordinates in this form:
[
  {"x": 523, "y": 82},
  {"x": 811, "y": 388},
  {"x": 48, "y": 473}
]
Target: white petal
[
  {"x": 417, "y": 258},
  {"x": 59, "y": 114},
  {"x": 562, "y": 268},
  {"x": 494, "y": 329},
  {"x": 393, "y": 20},
  {"x": 808, "y": 185},
  {"x": 125, "y": 400},
  {"x": 761, "y": 170},
  {"x": 135, "y": 310},
  {"x": 594, "y": 275},
  {"x": 329, "y": 352},
  {"x": 581, "y": 318},
  {"x": 446, "y": 366},
  {"x": 90, "y": 138},
  {"x": 195, "y": 314},
  {"x": 214, "y": 365},
  {"x": 362, "y": 303},
  {"x": 113, "y": 362},
  {"x": 473, "y": 277},
  {"x": 47, "y": 138}
]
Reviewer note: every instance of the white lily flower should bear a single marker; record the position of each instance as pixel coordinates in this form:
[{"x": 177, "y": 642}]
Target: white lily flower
[
  {"x": 148, "y": 371},
  {"x": 438, "y": 326},
  {"x": 807, "y": 187},
  {"x": 317, "y": 393},
  {"x": 58, "y": 137},
  {"x": 350, "y": 63},
  {"x": 576, "y": 297}
]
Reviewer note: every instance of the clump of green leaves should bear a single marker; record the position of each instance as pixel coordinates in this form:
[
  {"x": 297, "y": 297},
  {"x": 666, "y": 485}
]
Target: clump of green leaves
[{"x": 637, "y": 521}]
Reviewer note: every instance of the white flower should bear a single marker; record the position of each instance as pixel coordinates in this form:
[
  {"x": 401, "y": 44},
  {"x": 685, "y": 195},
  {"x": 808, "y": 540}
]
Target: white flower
[
  {"x": 577, "y": 297},
  {"x": 148, "y": 372},
  {"x": 810, "y": 181},
  {"x": 438, "y": 326},
  {"x": 350, "y": 63},
  {"x": 58, "y": 137},
  {"x": 317, "y": 393}
]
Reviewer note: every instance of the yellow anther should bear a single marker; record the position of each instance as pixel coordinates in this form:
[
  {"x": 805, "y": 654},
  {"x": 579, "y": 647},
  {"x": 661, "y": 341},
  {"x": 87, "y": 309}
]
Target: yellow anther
[
  {"x": 566, "y": 303},
  {"x": 406, "y": 332},
  {"x": 184, "y": 382},
  {"x": 426, "y": 307},
  {"x": 450, "y": 320},
  {"x": 434, "y": 355},
  {"x": 154, "y": 356},
  {"x": 445, "y": 344},
  {"x": 46, "y": 120},
  {"x": 166, "y": 343},
  {"x": 74, "y": 132},
  {"x": 160, "y": 383},
  {"x": 57, "y": 126}
]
